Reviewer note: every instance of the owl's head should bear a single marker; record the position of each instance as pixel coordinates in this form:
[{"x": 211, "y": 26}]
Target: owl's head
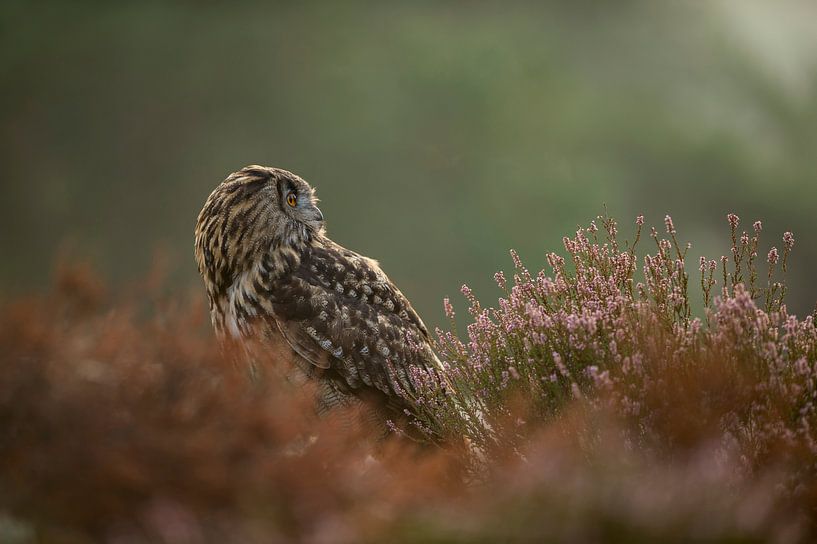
[{"x": 254, "y": 210}]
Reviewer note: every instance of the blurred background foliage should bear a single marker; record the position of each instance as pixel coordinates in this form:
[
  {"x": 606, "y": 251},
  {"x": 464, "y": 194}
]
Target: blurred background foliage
[{"x": 439, "y": 135}]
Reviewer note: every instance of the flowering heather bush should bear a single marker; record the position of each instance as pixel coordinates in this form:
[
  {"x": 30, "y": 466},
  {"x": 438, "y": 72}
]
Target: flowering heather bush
[
  {"x": 598, "y": 403},
  {"x": 618, "y": 331}
]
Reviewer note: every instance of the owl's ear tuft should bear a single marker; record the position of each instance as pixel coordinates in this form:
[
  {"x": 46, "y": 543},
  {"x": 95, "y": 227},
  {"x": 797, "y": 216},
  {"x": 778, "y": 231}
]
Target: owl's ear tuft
[{"x": 256, "y": 171}]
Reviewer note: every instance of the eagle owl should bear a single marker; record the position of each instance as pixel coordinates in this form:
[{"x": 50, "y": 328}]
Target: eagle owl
[{"x": 276, "y": 282}]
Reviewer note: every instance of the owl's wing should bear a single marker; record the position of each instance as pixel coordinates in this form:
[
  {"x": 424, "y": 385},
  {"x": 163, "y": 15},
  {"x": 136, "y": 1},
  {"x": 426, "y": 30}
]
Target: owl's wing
[
  {"x": 339, "y": 310},
  {"x": 303, "y": 345}
]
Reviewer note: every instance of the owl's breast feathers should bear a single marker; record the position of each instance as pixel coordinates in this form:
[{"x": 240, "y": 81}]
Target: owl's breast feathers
[{"x": 340, "y": 312}]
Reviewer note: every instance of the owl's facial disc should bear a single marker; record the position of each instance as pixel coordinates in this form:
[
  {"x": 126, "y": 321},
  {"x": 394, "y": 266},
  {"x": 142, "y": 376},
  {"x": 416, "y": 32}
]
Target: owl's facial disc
[{"x": 299, "y": 202}]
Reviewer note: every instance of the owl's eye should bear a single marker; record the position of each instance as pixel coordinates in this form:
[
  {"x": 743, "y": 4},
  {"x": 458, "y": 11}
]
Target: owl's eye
[{"x": 292, "y": 199}]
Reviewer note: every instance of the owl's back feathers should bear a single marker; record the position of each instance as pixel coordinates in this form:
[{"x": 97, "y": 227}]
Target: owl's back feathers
[{"x": 338, "y": 310}]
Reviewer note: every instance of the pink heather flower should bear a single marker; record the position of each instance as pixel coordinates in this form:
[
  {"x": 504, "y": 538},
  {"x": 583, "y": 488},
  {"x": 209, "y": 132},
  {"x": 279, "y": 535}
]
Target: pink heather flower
[
  {"x": 466, "y": 291},
  {"x": 555, "y": 260},
  {"x": 801, "y": 366},
  {"x": 639, "y": 220},
  {"x": 513, "y": 372},
  {"x": 703, "y": 263},
  {"x": 758, "y": 227},
  {"x": 535, "y": 314},
  {"x": 592, "y": 229},
  {"x": 733, "y": 220},
  {"x": 517, "y": 262},
  {"x": 712, "y": 264},
  {"x": 670, "y": 226},
  {"x": 788, "y": 240},
  {"x": 499, "y": 278},
  {"x": 449, "y": 309},
  {"x": 744, "y": 239},
  {"x": 772, "y": 258},
  {"x": 559, "y": 364},
  {"x": 612, "y": 228},
  {"x": 393, "y": 428}
]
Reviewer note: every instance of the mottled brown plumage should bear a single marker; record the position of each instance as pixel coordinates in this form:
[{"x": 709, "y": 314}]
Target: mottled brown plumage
[{"x": 276, "y": 282}]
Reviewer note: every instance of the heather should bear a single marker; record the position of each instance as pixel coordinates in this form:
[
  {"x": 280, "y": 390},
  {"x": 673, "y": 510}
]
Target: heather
[
  {"x": 607, "y": 326},
  {"x": 629, "y": 392}
]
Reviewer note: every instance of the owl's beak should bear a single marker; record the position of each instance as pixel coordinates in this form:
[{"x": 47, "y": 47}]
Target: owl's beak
[{"x": 318, "y": 215}]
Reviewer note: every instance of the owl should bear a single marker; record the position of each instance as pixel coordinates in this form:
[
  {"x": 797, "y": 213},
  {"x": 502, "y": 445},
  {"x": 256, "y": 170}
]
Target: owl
[{"x": 276, "y": 283}]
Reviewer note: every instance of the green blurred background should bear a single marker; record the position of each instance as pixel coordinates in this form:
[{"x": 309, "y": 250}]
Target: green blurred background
[{"x": 439, "y": 134}]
